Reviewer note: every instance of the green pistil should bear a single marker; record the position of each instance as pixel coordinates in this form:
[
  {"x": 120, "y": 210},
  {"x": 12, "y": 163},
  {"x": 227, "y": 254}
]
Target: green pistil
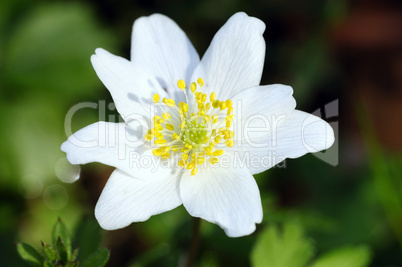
[{"x": 195, "y": 132}]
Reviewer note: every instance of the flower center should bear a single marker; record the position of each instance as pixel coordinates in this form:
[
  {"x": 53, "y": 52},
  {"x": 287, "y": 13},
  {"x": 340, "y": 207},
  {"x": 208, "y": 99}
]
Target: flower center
[
  {"x": 192, "y": 134},
  {"x": 195, "y": 132}
]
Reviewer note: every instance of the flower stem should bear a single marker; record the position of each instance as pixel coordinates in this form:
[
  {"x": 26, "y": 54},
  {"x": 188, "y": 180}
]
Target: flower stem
[{"x": 194, "y": 242}]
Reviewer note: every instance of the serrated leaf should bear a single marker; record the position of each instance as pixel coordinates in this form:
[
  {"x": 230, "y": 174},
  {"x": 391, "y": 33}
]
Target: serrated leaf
[
  {"x": 98, "y": 258},
  {"x": 345, "y": 257},
  {"x": 47, "y": 263},
  {"x": 50, "y": 252},
  {"x": 29, "y": 254},
  {"x": 88, "y": 235},
  {"x": 61, "y": 249},
  {"x": 276, "y": 249},
  {"x": 60, "y": 230}
]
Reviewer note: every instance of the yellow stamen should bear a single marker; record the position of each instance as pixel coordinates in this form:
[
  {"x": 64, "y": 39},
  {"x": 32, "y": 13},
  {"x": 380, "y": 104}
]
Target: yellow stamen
[
  {"x": 200, "y": 81},
  {"x": 212, "y": 97},
  {"x": 181, "y": 84},
  {"x": 157, "y": 152},
  {"x": 218, "y": 152},
  {"x": 229, "y": 143},
  {"x": 175, "y": 136},
  {"x": 159, "y": 127},
  {"x": 228, "y": 103},
  {"x": 200, "y": 160},
  {"x": 156, "y": 98},
  {"x": 170, "y": 127},
  {"x": 169, "y": 102},
  {"x": 192, "y": 134},
  {"x": 215, "y": 103},
  {"x": 193, "y": 87},
  {"x": 165, "y": 155},
  {"x": 213, "y": 160},
  {"x": 166, "y": 116},
  {"x": 190, "y": 166},
  {"x": 159, "y": 135},
  {"x": 160, "y": 141}
]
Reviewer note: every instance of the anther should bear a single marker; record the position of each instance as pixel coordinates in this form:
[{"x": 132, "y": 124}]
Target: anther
[
  {"x": 213, "y": 160},
  {"x": 181, "y": 84},
  {"x": 170, "y": 127},
  {"x": 193, "y": 87},
  {"x": 212, "y": 97},
  {"x": 229, "y": 143},
  {"x": 157, "y": 152},
  {"x": 200, "y": 81},
  {"x": 156, "y": 98}
]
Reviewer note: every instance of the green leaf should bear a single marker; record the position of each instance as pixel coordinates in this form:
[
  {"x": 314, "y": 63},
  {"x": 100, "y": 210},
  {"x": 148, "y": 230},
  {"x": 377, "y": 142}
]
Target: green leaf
[
  {"x": 50, "y": 252},
  {"x": 345, "y": 257},
  {"x": 98, "y": 258},
  {"x": 276, "y": 249},
  {"x": 60, "y": 230},
  {"x": 88, "y": 235},
  {"x": 48, "y": 264},
  {"x": 71, "y": 264},
  {"x": 74, "y": 254},
  {"x": 62, "y": 250},
  {"x": 29, "y": 254}
]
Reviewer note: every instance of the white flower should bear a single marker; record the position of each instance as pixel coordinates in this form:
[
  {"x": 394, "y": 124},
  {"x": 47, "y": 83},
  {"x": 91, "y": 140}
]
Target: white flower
[{"x": 191, "y": 148}]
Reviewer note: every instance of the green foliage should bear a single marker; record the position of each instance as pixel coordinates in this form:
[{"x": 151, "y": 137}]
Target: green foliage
[
  {"x": 98, "y": 258},
  {"x": 62, "y": 250},
  {"x": 59, "y": 252},
  {"x": 345, "y": 257},
  {"x": 29, "y": 254},
  {"x": 44, "y": 68},
  {"x": 88, "y": 235},
  {"x": 276, "y": 249},
  {"x": 50, "y": 253},
  {"x": 289, "y": 247},
  {"x": 61, "y": 239},
  {"x": 48, "y": 37}
]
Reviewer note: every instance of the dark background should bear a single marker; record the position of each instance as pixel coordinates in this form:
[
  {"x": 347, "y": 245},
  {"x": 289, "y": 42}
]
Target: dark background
[{"x": 327, "y": 50}]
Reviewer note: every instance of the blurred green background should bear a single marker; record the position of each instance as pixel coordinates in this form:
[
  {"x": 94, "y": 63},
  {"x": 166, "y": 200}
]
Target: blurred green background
[{"x": 315, "y": 214}]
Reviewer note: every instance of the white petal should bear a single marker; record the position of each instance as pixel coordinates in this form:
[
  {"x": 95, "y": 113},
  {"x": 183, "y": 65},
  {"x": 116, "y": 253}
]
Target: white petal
[
  {"x": 225, "y": 196},
  {"x": 261, "y": 108},
  {"x": 117, "y": 145},
  {"x": 297, "y": 135},
  {"x": 126, "y": 199},
  {"x": 131, "y": 87},
  {"x": 160, "y": 47},
  {"x": 235, "y": 58}
]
